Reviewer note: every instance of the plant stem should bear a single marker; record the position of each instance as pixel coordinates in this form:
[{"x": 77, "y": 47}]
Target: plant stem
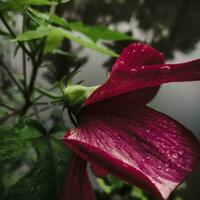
[
  {"x": 51, "y": 88},
  {"x": 36, "y": 65},
  {"x": 24, "y": 59},
  {"x": 4, "y": 119},
  {"x": 11, "y": 76},
  {"x": 14, "y": 35},
  {"x": 41, "y": 110},
  {"x": 7, "y": 107},
  {"x": 46, "y": 93}
]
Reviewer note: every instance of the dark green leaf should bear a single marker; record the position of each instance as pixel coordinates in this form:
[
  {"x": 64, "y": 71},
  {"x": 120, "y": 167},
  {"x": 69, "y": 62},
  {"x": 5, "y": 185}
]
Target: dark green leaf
[
  {"x": 99, "y": 32},
  {"x": 18, "y": 5},
  {"x": 37, "y": 167},
  {"x": 83, "y": 41},
  {"x": 10, "y": 144},
  {"x": 52, "y": 42},
  {"x": 31, "y": 35}
]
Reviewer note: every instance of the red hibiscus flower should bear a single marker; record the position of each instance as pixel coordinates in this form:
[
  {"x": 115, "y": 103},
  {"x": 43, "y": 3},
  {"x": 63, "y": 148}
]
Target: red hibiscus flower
[{"x": 119, "y": 134}]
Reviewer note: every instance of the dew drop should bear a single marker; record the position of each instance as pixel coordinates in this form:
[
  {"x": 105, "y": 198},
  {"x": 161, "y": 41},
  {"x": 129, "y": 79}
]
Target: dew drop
[
  {"x": 159, "y": 167},
  {"x": 121, "y": 62},
  {"x": 167, "y": 151},
  {"x": 148, "y": 140},
  {"x": 134, "y": 70},
  {"x": 134, "y": 50},
  {"x": 175, "y": 155},
  {"x": 165, "y": 69},
  {"x": 174, "y": 135},
  {"x": 166, "y": 165},
  {"x": 142, "y": 50},
  {"x": 167, "y": 169},
  {"x": 143, "y": 67},
  {"x": 178, "y": 165},
  {"x": 181, "y": 153}
]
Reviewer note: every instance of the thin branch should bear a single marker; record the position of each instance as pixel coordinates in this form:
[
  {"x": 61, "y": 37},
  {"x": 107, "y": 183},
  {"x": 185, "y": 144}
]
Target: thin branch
[
  {"x": 11, "y": 76},
  {"x": 14, "y": 36},
  {"x": 24, "y": 59},
  {"x": 7, "y": 107},
  {"x": 39, "y": 111},
  {"x": 5, "y": 118},
  {"x": 42, "y": 103},
  {"x": 48, "y": 94},
  {"x": 36, "y": 64},
  {"x": 41, "y": 95}
]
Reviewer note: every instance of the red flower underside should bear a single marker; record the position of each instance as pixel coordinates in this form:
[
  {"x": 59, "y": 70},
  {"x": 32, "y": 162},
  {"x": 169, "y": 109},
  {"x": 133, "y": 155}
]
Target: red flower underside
[
  {"x": 141, "y": 67},
  {"x": 77, "y": 185},
  {"x": 123, "y": 137},
  {"x": 135, "y": 143}
]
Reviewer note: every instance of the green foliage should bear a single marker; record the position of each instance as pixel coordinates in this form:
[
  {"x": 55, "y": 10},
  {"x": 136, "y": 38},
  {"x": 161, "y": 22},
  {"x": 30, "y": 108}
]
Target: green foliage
[
  {"x": 32, "y": 162},
  {"x": 61, "y": 33},
  {"x": 18, "y": 5},
  {"x": 98, "y": 32},
  {"x": 31, "y": 35}
]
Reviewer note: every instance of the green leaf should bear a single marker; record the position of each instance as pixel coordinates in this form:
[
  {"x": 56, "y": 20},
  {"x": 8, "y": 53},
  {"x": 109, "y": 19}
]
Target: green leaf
[
  {"x": 18, "y": 5},
  {"x": 38, "y": 168},
  {"x": 11, "y": 146},
  {"x": 52, "y": 42},
  {"x": 99, "y": 32},
  {"x": 138, "y": 193},
  {"x": 31, "y": 35},
  {"x": 59, "y": 33},
  {"x": 59, "y": 21},
  {"x": 55, "y": 19},
  {"x": 83, "y": 41}
]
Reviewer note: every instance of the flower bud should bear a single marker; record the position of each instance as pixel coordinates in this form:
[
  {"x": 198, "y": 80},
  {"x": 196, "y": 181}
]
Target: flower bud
[{"x": 75, "y": 95}]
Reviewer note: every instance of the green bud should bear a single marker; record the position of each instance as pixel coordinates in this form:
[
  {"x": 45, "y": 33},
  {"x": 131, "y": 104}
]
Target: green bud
[{"x": 75, "y": 95}]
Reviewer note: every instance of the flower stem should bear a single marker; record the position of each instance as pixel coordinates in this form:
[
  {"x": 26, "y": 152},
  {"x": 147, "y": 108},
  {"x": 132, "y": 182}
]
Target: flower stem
[
  {"x": 14, "y": 35},
  {"x": 11, "y": 76},
  {"x": 24, "y": 58},
  {"x": 7, "y": 107},
  {"x": 46, "y": 93}
]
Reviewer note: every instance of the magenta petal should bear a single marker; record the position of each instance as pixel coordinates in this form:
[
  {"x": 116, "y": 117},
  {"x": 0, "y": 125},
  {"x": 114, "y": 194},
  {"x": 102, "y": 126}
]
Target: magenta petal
[
  {"x": 127, "y": 78},
  {"x": 137, "y": 55},
  {"x": 98, "y": 171},
  {"x": 135, "y": 143},
  {"x": 77, "y": 185}
]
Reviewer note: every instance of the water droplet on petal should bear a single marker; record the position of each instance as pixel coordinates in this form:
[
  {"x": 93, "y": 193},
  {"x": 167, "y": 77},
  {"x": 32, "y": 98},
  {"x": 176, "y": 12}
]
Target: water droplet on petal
[
  {"x": 181, "y": 153},
  {"x": 167, "y": 151},
  {"x": 143, "y": 67},
  {"x": 159, "y": 167},
  {"x": 121, "y": 62},
  {"x": 165, "y": 69},
  {"x": 134, "y": 70},
  {"x": 175, "y": 155},
  {"x": 178, "y": 165},
  {"x": 134, "y": 50},
  {"x": 148, "y": 157},
  {"x": 166, "y": 165},
  {"x": 174, "y": 135},
  {"x": 167, "y": 169}
]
